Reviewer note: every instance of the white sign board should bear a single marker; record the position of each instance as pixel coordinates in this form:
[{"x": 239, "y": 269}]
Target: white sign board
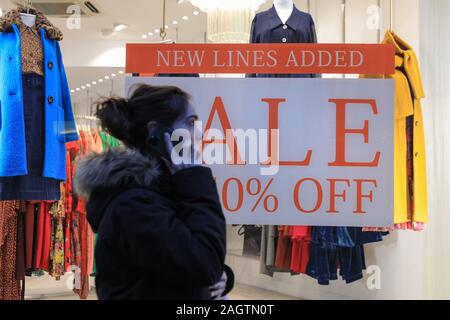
[{"x": 329, "y": 143}]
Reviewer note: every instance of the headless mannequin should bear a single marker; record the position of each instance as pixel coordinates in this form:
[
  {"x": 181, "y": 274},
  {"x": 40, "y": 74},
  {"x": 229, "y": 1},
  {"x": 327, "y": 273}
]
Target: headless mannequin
[
  {"x": 284, "y": 9},
  {"x": 28, "y": 19}
]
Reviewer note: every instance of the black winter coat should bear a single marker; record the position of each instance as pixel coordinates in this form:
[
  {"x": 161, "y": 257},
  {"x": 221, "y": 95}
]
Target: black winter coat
[{"x": 159, "y": 236}]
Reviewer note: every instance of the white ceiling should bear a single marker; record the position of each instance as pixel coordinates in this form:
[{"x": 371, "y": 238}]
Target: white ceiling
[{"x": 142, "y": 16}]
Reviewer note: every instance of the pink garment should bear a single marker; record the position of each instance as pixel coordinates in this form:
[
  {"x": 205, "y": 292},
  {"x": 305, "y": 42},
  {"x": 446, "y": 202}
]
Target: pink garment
[
  {"x": 415, "y": 226},
  {"x": 96, "y": 142}
]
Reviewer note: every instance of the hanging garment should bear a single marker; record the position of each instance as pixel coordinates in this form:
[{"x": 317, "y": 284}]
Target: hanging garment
[
  {"x": 29, "y": 235},
  {"x": 342, "y": 248},
  {"x": 301, "y": 239},
  {"x": 410, "y": 191},
  {"x": 44, "y": 237},
  {"x": 32, "y": 186},
  {"x": 267, "y": 27},
  {"x": 284, "y": 249},
  {"x": 9, "y": 285},
  {"x": 20, "y": 251},
  {"x": 59, "y": 121},
  {"x": 57, "y": 213}
]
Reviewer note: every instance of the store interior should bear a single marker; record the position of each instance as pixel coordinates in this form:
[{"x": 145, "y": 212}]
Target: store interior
[{"x": 411, "y": 264}]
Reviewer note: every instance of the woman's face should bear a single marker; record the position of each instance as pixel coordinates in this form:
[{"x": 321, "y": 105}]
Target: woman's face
[{"x": 187, "y": 122}]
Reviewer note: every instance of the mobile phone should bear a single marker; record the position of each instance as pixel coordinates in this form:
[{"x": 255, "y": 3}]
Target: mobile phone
[{"x": 156, "y": 140}]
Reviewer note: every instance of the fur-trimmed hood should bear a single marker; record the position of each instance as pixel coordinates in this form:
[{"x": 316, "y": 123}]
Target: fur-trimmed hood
[
  {"x": 13, "y": 17},
  {"x": 115, "y": 169}
]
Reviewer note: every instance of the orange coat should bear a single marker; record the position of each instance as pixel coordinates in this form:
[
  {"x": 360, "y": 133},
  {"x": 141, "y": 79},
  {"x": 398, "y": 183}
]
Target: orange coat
[{"x": 408, "y": 94}]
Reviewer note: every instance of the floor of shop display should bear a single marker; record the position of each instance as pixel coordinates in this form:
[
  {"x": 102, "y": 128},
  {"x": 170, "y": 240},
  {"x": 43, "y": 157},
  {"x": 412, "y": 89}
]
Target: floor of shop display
[{"x": 49, "y": 289}]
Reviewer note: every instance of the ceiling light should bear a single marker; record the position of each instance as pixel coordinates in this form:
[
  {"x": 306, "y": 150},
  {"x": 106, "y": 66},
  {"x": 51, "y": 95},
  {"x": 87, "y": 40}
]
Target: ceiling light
[
  {"x": 106, "y": 77},
  {"x": 73, "y": 91},
  {"x": 175, "y": 22},
  {"x": 166, "y": 26},
  {"x": 150, "y": 33},
  {"x": 196, "y": 13},
  {"x": 119, "y": 27},
  {"x": 113, "y": 75},
  {"x": 156, "y": 30},
  {"x": 185, "y": 17},
  {"x": 180, "y": 1},
  {"x": 94, "y": 82},
  {"x": 121, "y": 72},
  {"x": 83, "y": 87},
  {"x": 100, "y": 80},
  {"x": 78, "y": 89},
  {"x": 1, "y": 12},
  {"x": 88, "y": 85},
  {"x": 144, "y": 36}
]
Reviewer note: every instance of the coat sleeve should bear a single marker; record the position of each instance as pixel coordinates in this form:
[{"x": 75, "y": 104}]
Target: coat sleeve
[
  {"x": 71, "y": 129},
  {"x": 252, "y": 40},
  {"x": 313, "y": 39},
  {"x": 183, "y": 244}
]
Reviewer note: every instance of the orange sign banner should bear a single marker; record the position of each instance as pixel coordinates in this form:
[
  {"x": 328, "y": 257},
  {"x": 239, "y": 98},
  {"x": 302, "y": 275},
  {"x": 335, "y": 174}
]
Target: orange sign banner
[{"x": 260, "y": 58}]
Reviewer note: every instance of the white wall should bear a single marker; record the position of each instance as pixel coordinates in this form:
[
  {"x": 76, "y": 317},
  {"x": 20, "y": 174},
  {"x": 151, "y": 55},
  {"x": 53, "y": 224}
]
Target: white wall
[{"x": 435, "y": 53}]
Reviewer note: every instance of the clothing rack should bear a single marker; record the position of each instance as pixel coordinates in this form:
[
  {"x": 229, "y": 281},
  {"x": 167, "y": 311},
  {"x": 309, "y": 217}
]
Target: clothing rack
[{"x": 92, "y": 118}]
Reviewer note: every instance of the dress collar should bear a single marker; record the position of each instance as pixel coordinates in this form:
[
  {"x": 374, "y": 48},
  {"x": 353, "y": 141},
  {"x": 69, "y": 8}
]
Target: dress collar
[{"x": 292, "y": 21}]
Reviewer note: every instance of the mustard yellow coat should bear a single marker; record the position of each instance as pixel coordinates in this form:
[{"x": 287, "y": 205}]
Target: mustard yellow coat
[{"x": 408, "y": 93}]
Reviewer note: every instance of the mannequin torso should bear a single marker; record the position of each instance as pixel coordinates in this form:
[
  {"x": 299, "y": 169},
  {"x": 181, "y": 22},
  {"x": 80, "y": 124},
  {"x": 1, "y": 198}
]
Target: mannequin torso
[
  {"x": 284, "y": 9},
  {"x": 28, "y": 19}
]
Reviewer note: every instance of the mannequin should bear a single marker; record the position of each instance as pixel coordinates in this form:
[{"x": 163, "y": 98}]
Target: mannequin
[
  {"x": 28, "y": 19},
  {"x": 284, "y": 9}
]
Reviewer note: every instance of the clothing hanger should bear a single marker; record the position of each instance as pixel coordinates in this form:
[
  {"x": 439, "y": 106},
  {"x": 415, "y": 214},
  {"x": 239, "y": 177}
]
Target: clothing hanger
[
  {"x": 27, "y": 5},
  {"x": 162, "y": 30}
]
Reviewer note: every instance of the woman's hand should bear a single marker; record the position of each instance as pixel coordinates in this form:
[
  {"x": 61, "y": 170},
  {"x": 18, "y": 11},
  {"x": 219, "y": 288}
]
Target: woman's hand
[
  {"x": 173, "y": 168},
  {"x": 218, "y": 289}
]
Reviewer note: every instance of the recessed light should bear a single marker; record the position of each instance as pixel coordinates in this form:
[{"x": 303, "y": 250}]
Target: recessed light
[
  {"x": 166, "y": 26},
  {"x": 150, "y": 33},
  {"x": 119, "y": 27},
  {"x": 94, "y": 82},
  {"x": 78, "y": 89},
  {"x": 185, "y": 17},
  {"x": 83, "y": 87},
  {"x": 100, "y": 80},
  {"x": 88, "y": 85},
  {"x": 175, "y": 22},
  {"x": 144, "y": 36},
  {"x": 120, "y": 72},
  {"x": 72, "y": 91},
  {"x": 156, "y": 30},
  {"x": 113, "y": 75},
  {"x": 195, "y": 13},
  {"x": 106, "y": 77}
]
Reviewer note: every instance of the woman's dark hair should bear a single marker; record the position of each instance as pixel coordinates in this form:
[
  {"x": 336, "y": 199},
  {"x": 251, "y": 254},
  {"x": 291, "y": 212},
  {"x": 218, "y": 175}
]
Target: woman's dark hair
[{"x": 127, "y": 119}]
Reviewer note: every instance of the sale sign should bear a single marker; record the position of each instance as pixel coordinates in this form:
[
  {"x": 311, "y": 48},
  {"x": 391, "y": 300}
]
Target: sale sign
[{"x": 316, "y": 152}]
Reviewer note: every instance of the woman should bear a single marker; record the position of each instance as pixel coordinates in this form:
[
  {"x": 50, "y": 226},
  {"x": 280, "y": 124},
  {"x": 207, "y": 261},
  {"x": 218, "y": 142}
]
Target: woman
[{"x": 161, "y": 229}]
